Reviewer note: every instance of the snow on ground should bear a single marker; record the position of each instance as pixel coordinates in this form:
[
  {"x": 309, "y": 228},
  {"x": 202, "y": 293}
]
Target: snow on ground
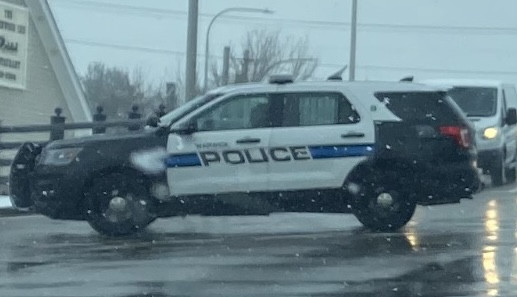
[{"x": 5, "y": 202}]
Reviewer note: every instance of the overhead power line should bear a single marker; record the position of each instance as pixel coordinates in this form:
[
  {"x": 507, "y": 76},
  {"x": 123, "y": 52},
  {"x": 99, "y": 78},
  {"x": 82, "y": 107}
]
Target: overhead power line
[
  {"x": 131, "y": 47},
  {"x": 149, "y": 11},
  {"x": 437, "y": 70},
  {"x": 325, "y": 65}
]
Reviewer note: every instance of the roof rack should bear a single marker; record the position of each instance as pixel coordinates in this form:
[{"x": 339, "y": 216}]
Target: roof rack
[
  {"x": 281, "y": 79},
  {"x": 338, "y": 74},
  {"x": 408, "y": 79}
]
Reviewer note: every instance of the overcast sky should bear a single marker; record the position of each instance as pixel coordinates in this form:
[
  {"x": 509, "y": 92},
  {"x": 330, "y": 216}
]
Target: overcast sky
[{"x": 425, "y": 38}]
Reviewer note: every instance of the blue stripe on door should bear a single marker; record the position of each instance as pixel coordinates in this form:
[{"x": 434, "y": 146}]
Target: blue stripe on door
[
  {"x": 183, "y": 160},
  {"x": 340, "y": 151}
]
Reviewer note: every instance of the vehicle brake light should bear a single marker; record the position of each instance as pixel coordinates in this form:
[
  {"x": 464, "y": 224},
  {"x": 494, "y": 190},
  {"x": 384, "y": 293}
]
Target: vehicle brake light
[{"x": 461, "y": 135}]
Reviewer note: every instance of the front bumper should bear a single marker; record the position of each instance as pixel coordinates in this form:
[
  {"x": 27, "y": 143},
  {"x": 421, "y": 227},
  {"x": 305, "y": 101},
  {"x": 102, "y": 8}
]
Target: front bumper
[
  {"x": 57, "y": 191},
  {"x": 54, "y": 191},
  {"x": 487, "y": 159}
]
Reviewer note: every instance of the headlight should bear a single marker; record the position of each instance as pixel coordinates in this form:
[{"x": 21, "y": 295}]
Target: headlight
[
  {"x": 60, "y": 156},
  {"x": 490, "y": 133}
]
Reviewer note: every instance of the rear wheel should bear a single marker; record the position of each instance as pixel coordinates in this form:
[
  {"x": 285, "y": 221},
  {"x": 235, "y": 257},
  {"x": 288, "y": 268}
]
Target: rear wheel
[
  {"x": 119, "y": 204},
  {"x": 382, "y": 204}
]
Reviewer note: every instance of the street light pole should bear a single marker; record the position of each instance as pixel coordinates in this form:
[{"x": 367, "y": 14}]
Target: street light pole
[
  {"x": 190, "y": 69},
  {"x": 207, "y": 41},
  {"x": 353, "y": 33}
]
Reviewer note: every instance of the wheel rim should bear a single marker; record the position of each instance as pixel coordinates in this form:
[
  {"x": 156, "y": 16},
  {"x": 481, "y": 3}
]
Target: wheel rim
[
  {"x": 385, "y": 204},
  {"x": 122, "y": 206}
]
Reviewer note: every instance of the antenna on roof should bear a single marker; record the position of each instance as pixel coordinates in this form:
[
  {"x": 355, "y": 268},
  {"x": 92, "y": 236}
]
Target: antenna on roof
[
  {"x": 338, "y": 74},
  {"x": 408, "y": 78}
]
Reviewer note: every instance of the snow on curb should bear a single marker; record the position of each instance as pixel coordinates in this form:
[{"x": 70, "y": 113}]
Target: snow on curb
[{"x": 5, "y": 202}]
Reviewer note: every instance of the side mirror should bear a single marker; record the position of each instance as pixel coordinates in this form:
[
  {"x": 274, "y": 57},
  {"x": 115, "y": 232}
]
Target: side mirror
[
  {"x": 511, "y": 116},
  {"x": 152, "y": 121},
  {"x": 187, "y": 129}
]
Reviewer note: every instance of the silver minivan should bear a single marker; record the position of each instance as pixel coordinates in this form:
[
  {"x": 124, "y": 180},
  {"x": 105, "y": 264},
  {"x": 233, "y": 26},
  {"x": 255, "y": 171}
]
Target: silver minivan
[{"x": 491, "y": 106}]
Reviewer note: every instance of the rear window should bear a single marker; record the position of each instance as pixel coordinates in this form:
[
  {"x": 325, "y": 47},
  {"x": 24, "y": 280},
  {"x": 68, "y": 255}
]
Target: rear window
[{"x": 420, "y": 106}]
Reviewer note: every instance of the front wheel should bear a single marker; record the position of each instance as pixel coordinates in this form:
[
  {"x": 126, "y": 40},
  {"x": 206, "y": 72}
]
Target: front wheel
[
  {"x": 382, "y": 204},
  {"x": 510, "y": 175},
  {"x": 498, "y": 171},
  {"x": 118, "y": 204}
]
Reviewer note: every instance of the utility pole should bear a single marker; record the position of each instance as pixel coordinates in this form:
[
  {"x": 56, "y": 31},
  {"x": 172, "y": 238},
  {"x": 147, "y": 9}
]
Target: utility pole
[
  {"x": 353, "y": 32},
  {"x": 226, "y": 65},
  {"x": 246, "y": 66},
  {"x": 190, "y": 75}
]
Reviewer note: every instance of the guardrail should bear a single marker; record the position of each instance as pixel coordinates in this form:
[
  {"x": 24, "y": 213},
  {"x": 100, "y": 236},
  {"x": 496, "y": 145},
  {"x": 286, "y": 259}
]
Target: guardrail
[{"x": 56, "y": 131}]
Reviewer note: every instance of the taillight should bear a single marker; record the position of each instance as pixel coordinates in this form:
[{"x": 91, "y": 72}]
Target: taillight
[{"x": 461, "y": 135}]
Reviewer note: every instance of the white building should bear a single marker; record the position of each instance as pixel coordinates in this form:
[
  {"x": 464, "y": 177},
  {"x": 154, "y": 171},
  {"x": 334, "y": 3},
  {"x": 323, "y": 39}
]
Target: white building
[{"x": 36, "y": 74}]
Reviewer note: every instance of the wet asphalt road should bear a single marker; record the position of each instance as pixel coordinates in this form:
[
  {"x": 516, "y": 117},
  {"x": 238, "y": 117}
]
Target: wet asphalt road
[{"x": 469, "y": 249}]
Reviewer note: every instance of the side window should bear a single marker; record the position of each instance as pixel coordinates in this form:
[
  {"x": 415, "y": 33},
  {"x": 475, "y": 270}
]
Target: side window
[
  {"x": 241, "y": 112},
  {"x": 511, "y": 96},
  {"x": 312, "y": 109}
]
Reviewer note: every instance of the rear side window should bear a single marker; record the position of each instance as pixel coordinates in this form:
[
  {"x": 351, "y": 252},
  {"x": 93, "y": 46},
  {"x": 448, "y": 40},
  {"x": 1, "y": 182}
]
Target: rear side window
[
  {"x": 313, "y": 109},
  {"x": 420, "y": 106}
]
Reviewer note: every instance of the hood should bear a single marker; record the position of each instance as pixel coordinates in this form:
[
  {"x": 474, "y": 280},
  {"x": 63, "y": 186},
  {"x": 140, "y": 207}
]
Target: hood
[
  {"x": 88, "y": 140},
  {"x": 484, "y": 122}
]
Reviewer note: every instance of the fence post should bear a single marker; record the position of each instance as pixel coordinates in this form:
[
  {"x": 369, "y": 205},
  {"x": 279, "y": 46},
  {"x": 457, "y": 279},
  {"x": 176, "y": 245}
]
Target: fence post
[
  {"x": 134, "y": 115},
  {"x": 57, "y": 130},
  {"x": 99, "y": 117},
  {"x": 161, "y": 111}
]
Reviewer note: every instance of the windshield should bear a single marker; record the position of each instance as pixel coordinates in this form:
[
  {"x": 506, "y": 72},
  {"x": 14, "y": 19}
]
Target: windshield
[
  {"x": 475, "y": 101},
  {"x": 186, "y": 108},
  {"x": 430, "y": 107}
]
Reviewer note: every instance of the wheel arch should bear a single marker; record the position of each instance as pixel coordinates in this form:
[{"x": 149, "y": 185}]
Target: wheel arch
[
  {"x": 401, "y": 167},
  {"x": 105, "y": 171}
]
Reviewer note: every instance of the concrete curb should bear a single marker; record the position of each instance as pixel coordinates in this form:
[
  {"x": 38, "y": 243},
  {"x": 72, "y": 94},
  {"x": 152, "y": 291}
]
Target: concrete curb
[
  {"x": 6, "y": 209},
  {"x": 5, "y": 202}
]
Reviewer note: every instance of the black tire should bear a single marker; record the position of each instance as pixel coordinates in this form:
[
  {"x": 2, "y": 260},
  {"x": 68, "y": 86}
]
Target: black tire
[
  {"x": 498, "y": 172},
  {"x": 119, "y": 204},
  {"x": 510, "y": 175},
  {"x": 365, "y": 203}
]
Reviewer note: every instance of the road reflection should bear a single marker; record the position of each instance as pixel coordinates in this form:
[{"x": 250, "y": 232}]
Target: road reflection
[
  {"x": 411, "y": 235},
  {"x": 490, "y": 270}
]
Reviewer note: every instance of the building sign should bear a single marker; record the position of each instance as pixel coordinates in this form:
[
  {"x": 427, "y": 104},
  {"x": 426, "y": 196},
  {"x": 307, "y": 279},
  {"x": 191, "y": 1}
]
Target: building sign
[{"x": 14, "y": 23}]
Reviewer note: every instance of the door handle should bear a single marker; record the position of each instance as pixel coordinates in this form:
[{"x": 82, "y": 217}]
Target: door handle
[
  {"x": 248, "y": 140},
  {"x": 352, "y": 135}
]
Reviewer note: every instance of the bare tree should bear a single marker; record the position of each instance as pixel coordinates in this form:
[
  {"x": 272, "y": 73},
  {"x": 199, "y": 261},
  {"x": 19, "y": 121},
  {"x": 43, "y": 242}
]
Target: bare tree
[
  {"x": 267, "y": 52},
  {"x": 116, "y": 90}
]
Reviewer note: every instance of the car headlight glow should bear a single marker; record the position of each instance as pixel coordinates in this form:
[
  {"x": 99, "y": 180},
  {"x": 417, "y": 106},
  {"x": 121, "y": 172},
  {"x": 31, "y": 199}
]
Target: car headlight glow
[
  {"x": 63, "y": 156},
  {"x": 490, "y": 133}
]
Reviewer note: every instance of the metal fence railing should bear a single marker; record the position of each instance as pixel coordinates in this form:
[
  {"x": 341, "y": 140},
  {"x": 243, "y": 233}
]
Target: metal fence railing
[{"x": 55, "y": 131}]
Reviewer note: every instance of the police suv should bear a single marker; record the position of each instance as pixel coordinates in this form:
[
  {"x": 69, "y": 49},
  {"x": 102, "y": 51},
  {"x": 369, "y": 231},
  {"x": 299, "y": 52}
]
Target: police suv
[{"x": 376, "y": 149}]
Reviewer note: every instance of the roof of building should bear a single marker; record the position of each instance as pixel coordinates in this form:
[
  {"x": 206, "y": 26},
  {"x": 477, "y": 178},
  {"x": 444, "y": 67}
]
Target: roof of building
[{"x": 59, "y": 59}]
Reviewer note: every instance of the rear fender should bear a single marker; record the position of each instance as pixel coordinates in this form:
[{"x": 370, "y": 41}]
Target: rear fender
[{"x": 400, "y": 170}]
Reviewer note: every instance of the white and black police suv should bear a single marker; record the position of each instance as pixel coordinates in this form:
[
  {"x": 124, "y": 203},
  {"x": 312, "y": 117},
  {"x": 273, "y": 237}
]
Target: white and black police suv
[{"x": 376, "y": 149}]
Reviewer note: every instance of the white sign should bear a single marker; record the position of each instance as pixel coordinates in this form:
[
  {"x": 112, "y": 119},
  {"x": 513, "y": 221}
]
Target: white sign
[{"x": 14, "y": 26}]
